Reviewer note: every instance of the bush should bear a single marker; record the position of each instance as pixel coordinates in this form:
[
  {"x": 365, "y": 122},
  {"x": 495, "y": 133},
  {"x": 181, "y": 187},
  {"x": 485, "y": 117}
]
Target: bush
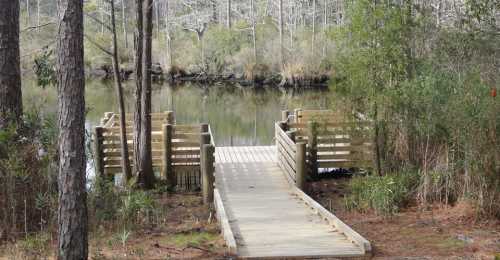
[{"x": 385, "y": 195}]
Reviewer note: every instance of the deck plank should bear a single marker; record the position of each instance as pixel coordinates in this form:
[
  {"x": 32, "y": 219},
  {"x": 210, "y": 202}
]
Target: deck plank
[{"x": 267, "y": 218}]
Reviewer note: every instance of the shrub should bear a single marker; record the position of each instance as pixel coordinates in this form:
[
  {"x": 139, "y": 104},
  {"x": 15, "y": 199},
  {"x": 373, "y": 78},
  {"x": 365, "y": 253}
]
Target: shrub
[{"x": 385, "y": 195}]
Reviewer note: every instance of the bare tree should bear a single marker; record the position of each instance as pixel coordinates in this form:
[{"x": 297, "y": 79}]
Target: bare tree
[
  {"x": 168, "y": 35},
  {"x": 72, "y": 213},
  {"x": 127, "y": 175},
  {"x": 38, "y": 15},
  {"x": 28, "y": 12},
  {"x": 254, "y": 36},
  {"x": 313, "y": 36},
  {"x": 229, "y": 22},
  {"x": 11, "y": 106},
  {"x": 124, "y": 23},
  {"x": 282, "y": 55}
]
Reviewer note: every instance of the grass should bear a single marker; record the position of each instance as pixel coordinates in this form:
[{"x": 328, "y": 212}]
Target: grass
[{"x": 385, "y": 195}]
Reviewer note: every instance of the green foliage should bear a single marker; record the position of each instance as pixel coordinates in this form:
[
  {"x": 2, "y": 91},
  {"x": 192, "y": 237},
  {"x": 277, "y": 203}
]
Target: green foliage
[
  {"x": 44, "y": 66},
  {"x": 385, "y": 195},
  {"x": 136, "y": 203},
  {"x": 220, "y": 45},
  {"x": 429, "y": 88}
]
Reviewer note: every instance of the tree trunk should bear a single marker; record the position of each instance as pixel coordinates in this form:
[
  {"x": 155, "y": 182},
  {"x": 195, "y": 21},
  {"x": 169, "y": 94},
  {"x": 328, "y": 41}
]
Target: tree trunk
[
  {"x": 72, "y": 213},
  {"x": 127, "y": 175},
  {"x": 138, "y": 85},
  {"x": 124, "y": 23},
  {"x": 157, "y": 18},
  {"x": 28, "y": 13},
  {"x": 254, "y": 36},
  {"x": 325, "y": 27},
  {"x": 282, "y": 57},
  {"x": 11, "y": 106},
  {"x": 229, "y": 14},
  {"x": 143, "y": 157},
  {"x": 38, "y": 15},
  {"x": 101, "y": 11},
  {"x": 313, "y": 36},
  {"x": 168, "y": 36}
]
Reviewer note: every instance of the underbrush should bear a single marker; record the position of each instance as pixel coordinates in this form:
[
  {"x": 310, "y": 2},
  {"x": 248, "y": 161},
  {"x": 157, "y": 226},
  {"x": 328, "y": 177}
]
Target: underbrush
[{"x": 385, "y": 195}]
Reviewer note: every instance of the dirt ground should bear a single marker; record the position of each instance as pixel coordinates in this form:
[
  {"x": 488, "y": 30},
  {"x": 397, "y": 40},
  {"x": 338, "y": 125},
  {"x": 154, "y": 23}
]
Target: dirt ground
[
  {"x": 437, "y": 233},
  {"x": 189, "y": 230}
]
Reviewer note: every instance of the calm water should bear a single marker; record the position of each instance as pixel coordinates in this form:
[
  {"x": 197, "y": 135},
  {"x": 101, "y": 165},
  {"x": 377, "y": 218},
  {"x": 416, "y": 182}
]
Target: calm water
[{"x": 238, "y": 116}]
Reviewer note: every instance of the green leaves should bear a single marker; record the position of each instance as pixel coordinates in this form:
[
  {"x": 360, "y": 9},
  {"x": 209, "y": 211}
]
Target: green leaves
[{"x": 44, "y": 66}]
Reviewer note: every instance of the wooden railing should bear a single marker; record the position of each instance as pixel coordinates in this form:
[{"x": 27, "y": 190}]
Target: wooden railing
[
  {"x": 176, "y": 149},
  {"x": 291, "y": 156},
  {"x": 331, "y": 143}
]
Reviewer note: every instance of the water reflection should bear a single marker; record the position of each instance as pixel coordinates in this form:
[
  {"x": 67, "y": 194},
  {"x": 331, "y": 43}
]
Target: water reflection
[{"x": 238, "y": 116}]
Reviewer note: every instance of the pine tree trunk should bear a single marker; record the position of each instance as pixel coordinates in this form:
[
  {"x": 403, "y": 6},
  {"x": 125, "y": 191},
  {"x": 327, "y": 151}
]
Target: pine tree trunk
[
  {"x": 72, "y": 214},
  {"x": 138, "y": 84},
  {"x": 143, "y": 144},
  {"x": 11, "y": 106}
]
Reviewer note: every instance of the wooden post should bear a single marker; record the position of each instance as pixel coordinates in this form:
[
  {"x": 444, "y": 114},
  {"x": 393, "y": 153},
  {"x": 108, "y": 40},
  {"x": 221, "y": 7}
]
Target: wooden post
[
  {"x": 312, "y": 143},
  {"x": 170, "y": 117},
  {"x": 296, "y": 114},
  {"x": 284, "y": 115},
  {"x": 168, "y": 173},
  {"x": 98, "y": 152},
  {"x": 281, "y": 125},
  {"x": 204, "y": 128},
  {"x": 207, "y": 167},
  {"x": 300, "y": 165},
  {"x": 106, "y": 118}
]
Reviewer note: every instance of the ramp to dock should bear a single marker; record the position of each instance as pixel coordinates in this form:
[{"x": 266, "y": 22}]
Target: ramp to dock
[{"x": 268, "y": 217}]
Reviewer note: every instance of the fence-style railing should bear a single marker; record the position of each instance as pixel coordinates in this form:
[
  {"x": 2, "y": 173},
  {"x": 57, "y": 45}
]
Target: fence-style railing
[
  {"x": 177, "y": 150},
  {"x": 331, "y": 143},
  {"x": 291, "y": 156}
]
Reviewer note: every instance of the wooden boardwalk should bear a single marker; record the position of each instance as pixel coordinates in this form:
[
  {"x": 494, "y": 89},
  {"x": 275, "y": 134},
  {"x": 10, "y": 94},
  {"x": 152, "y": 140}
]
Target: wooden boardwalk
[{"x": 267, "y": 216}]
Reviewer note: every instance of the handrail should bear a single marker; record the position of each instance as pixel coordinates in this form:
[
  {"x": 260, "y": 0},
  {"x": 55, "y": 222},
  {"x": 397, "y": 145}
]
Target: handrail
[
  {"x": 291, "y": 156},
  {"x": 333, "y": 143}
]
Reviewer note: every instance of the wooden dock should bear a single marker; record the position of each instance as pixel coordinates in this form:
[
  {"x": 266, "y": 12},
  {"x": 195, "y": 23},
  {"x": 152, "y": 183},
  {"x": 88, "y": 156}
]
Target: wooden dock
[{"x": 267, "y": 217}]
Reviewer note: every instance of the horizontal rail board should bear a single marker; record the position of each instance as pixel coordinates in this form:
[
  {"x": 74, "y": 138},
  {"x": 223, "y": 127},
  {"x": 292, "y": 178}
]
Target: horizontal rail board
[
  {"x": 343, "y": 164},
  {"x": 117, "y": 153},
  {"x": 286, "y": 159},
  {"x": 346, "y": 148},
  {"x": 185, "y": 160},
  {"x": 191, "y": 152},
  {"x": 334, "y": 125},
  {"x": 185, "y": 144},
  {"x": 355, "y": 156}
]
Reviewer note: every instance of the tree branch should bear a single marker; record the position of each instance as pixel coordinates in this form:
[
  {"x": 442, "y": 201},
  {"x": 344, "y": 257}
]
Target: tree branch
[{"x": 98, "y": 45}]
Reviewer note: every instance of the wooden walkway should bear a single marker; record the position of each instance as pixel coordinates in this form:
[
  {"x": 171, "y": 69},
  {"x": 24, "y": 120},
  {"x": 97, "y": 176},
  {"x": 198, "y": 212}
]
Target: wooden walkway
[{"x": 267, "y": 216}]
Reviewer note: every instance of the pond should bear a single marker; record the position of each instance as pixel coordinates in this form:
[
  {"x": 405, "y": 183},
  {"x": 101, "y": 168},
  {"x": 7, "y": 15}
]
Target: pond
[{"x": 237, "y": 115}]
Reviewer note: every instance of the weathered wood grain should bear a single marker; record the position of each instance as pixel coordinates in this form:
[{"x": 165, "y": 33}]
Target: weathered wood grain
[{"x": 267, "y": 217}]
